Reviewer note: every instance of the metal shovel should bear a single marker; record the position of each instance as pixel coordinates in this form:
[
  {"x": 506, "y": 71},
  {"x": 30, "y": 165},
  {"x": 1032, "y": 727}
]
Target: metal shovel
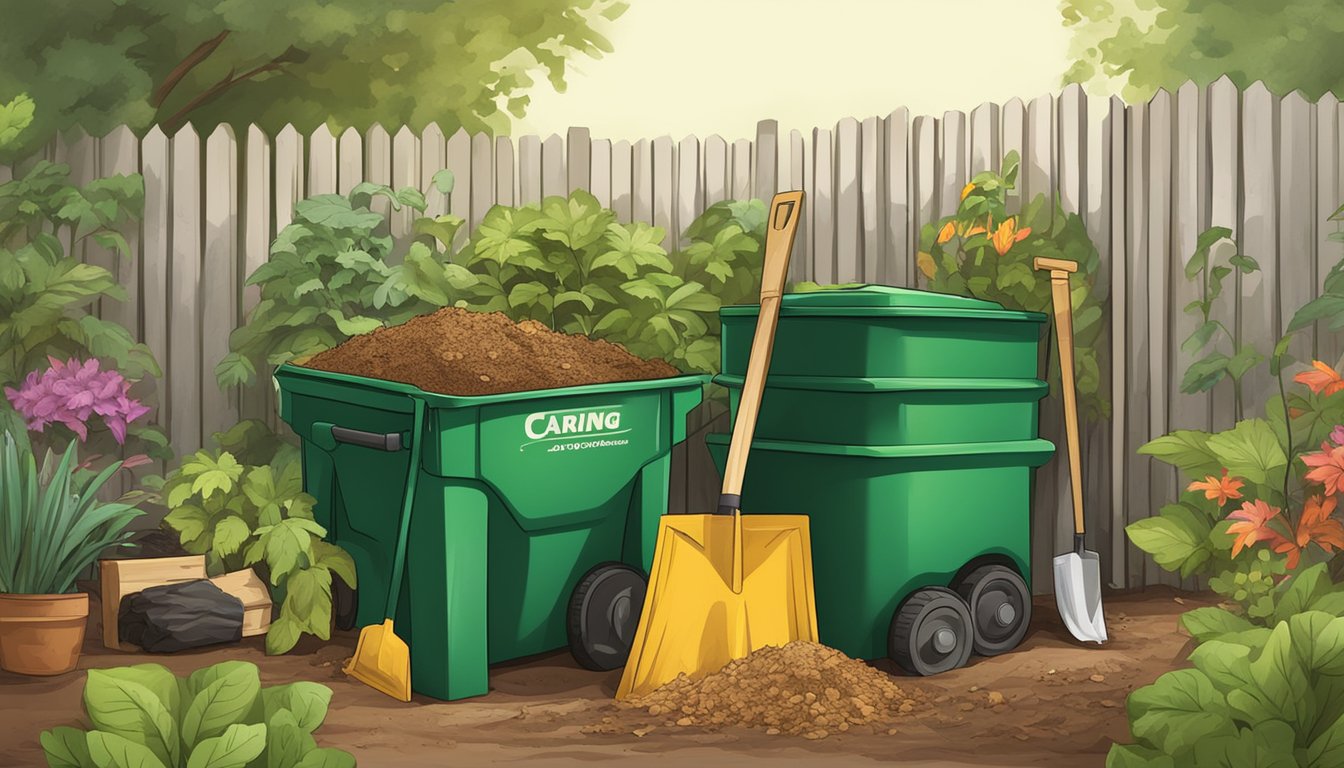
[{"x": 1077, "y": 573}]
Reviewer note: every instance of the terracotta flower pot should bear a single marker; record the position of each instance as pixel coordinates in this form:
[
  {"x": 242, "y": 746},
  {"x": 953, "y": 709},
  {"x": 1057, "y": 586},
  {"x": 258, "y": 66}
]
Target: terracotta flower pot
[{"x": 42, "y": 634}]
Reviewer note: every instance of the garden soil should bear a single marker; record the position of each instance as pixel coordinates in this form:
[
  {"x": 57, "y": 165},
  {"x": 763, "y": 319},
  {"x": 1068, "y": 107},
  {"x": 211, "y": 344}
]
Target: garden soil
[
  {"x": 460, "y": 352},
  {"x": 1054, "y": 703}
]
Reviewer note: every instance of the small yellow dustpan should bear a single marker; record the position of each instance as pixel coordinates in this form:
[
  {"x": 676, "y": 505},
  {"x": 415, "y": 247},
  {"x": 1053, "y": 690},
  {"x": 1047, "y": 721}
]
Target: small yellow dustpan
[
  {"x": 724, "y": 585},
  {"x": 382, "y": 660}
]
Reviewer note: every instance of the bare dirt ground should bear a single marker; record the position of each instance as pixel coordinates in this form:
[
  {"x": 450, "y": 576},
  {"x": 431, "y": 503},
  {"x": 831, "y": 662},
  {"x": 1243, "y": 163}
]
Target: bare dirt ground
[{"x": 1063, "y": 705}]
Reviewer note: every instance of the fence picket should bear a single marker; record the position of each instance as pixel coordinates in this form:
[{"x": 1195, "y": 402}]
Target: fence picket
[
  {"x": 665, "y": 190},
  {"x": 985, "y": 137},
  {"x": 433, "y": 158},
  {"x": 924, "y": 192},
  {"x": 255, "y": 402},
  {"x": 529, "y": 170},
  {"x": 898, "y": 254},
  {"x": 690, "y": 195},
  {"x": 1070, "y": 164},
  {"x": 578, "y": 161},
  {"x": 1297, "y": 221},
  {"x": 553, "y": 178},
  {"x": 741, "y": 170},
  {"x": 641, "y": 206},
  {"x": 622, "y": 178},
  {"x": 849, "y": 257},
  {"x": 219, "y": 271},
  {"x": 955, "y": 150},
  {"x": 119, "y": 154},
  {"x": 458, "y": 158},
  {"x": 1328, "y": 252},
  {"x": 1162, "y": 479},
  {"x": 349, "y": 160},
  {"x": 405, "y": 172},
  {"x": 504, "y": 172},
  {"x": 800, "y": 266},
  {"x": 482, "y": 178},
  {"x": 766, "y": 162},
  {"x": 184, "y": 292},
  {"x": 600, "y": 184},
  {"x": 1224, "y": 129},
  {"x": 716, "y": 170},
  {"x": 322, "y": 153},
  {"x": 1121, "y": 551},
  {"x": 872, "y": 193},
  {"x": 823, "y": 209},
  {"x": 1258, "y": 317},
  {"x": 1013, "y": 122}
]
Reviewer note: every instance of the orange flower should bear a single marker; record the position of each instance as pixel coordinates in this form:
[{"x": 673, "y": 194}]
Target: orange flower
[
  {"x": 1328, "y": 468},
  {"x": 1322, "y": 378},
  {"x": 1007, "y": 234},
  {"x": 949, "y": 229},
  {"x": 1221, "y": 489},
  {"x": 1316, "y": 524},
  {"x": 966, "y": 190},
  {"x": 1253, "y": 525},
  {"x": 925, "y": 263}
]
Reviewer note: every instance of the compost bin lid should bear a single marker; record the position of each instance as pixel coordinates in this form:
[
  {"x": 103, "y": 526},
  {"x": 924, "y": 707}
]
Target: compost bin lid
[{"x": 867, "y": 299}]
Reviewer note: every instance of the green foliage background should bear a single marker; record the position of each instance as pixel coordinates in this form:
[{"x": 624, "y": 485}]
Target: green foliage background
[
  {"x": 461, "y": 63},
  {"x": 1139, "y": 46}
]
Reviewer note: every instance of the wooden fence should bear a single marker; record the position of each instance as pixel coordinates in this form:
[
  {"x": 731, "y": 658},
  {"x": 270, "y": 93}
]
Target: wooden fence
[{"x": 1146, "y": 178}]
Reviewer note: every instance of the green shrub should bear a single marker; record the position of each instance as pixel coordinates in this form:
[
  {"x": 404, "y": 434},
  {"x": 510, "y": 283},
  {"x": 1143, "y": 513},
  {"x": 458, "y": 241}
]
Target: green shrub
[
  {"x": 984, "y": 252},
  {"x": 566, "y": 262},
  {"x": 217, "y": 717},
  {"x": 1262, "y": 697},
  {"x": 242, "y": 513},
  {"x": 45, "y": 293}
]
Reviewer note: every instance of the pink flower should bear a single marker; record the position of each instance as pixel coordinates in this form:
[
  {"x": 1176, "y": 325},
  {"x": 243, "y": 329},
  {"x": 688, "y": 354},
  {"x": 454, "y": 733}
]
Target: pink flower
[
  {"x": 1337, "y": 435},
  {"x": 70, "y": 393}
]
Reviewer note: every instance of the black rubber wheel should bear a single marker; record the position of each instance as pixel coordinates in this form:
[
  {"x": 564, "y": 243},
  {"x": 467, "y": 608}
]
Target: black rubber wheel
[
  {"x": 344, "y": 604},
  {"x": 931, "y": 632},
  {"x": 1000, "y": 606},
  {"x": 603, "y": 614}
]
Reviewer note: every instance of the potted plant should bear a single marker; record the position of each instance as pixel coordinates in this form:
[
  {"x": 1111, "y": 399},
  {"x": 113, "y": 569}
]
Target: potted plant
[{"x": 52, "y": 527}]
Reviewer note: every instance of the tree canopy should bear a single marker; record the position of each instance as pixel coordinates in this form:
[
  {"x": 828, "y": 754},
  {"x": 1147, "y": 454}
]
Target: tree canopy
[
  {"x": 1138, "y": 46},
  {"x": 465, "y": 63}
]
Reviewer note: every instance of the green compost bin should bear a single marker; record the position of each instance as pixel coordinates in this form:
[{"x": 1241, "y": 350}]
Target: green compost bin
[
  {"x": 888, "y": 520},
  {"x": 853, "y": 410},
  {"x": 878, "y": 331},
  {"x": 517, "y": 496}
]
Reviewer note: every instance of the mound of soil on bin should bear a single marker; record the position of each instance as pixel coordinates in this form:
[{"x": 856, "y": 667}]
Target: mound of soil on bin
[
  {"x": 459, "y": 352},
  {"x": 798, "y": 689}
]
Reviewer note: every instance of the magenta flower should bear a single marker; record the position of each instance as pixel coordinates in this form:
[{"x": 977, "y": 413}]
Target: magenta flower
[
  {"x": 1337, "y": 435},
  {"x": 72, "y": 392}
]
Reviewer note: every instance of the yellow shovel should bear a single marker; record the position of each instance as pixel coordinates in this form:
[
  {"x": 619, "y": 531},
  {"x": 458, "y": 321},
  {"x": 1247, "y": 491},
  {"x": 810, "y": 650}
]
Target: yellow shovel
[
  {"x": 724, "y": 585},
  {"x": 382, "y": 660}
]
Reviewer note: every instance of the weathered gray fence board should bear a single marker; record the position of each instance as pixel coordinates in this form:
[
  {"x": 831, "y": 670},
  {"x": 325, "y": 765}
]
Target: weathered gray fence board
[
  {"x": 1224, "y": 211},
  {"x": 848, "y": 211},
  {"x": 219, "y": 277},
  {"x": 184, "y": 292},
  {"x": 1258, "y": 322}
]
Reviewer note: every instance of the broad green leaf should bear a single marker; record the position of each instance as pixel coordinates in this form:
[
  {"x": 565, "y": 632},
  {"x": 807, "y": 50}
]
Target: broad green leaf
[
  {"x": 120, "y": 706},
  {"x": 230, "y": 535},
  {"x": 1134, "y": 756},
  {"x": 1246, "y": 358},
  {"x": 1300, "y": 591},
  {"x": 355, "y": 325},
  {"x": 1318, "y": 640},
  {"x": 188, "y": 520},
  {"x": 1203, "y": 374},
  {"x": 1327, "y": 307},
  {"x": 283, "y": 633},
  {"x": 308, "y": 599},
  {"x": 1210, "y": 623},
  {"x": 1249, "y": 450},
  {"x": 1228, "y": 665},
  {"x": 1178, "y": 710},
  {"x": 1327, "y": 749},
  {"x": 212, "y": 475},
  {"x": 223, "y": 702},
  {"x": 327, "y": 758},
  {"x": 1199, "y": 338},
  {"x": 1176, "y": 538},
  {"x": 158, "y": 679},
  {"x": 335, "y": 212},
  {"x": 576, "y": 297},
  {"x": 239, "y": 745},
  {"x": 1185, "y": 449},
  {"x": 442, "y": 228},
  {"x": 1244, "y": 263},
  {"x": 1281, "y": 679},
  {"x": 306, "y": 701},
  {"x": 336, "y": 560},
  {"x": 1205, "y": 240},
  {"x": 110, "y": 750},
  {"x": 1267, "y": 745},
  {"x": 526, "y": 294},
  {"x": 66, "y": 747},
  {"x": 443, "y": 181},
  {"x": 286, "y": 742}
]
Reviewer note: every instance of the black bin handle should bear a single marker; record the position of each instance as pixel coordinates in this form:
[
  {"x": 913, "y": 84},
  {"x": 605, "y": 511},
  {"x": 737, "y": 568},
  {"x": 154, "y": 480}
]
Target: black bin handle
[{"x": 390, "y": 441}]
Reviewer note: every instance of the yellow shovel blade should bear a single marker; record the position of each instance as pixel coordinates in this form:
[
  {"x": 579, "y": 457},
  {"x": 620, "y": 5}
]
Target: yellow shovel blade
[
  {"x": 382, "y": 661},
  {"x": 694, "y": 621}
]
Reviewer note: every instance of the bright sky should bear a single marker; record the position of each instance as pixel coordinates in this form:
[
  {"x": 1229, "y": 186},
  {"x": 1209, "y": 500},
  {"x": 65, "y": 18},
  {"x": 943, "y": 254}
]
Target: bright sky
[{"x": 717, "y": 66}]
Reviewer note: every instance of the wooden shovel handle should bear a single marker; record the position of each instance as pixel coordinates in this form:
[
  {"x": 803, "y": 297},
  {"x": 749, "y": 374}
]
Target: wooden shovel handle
[
  {"x": 1063, "y": 304},
  {"x": 785, "y": 210}
]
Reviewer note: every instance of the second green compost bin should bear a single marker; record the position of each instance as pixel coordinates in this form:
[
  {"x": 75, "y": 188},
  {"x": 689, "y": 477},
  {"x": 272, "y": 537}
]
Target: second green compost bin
[
  {"x": 904, "y": 424},
  {"x": 518, "y": 496}
]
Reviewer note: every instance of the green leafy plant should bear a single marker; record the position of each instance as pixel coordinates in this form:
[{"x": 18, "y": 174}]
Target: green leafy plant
[
  {"x": 52, "y": 525},
  {"x": 984, "y": 252},
  {"x": 331, "y": 276},
  {"x": 1310, "y": 590},
  {"x": 1257, "y": 697},
  {"x": 144, "y": 716},
  {"x": 1328, "y": 307},
  {"x": 46, "y": 293},
  {"x": 1206, "y": 372},
  {"x": 239, "y": 515},
  {"x": 565, "y": 262}
]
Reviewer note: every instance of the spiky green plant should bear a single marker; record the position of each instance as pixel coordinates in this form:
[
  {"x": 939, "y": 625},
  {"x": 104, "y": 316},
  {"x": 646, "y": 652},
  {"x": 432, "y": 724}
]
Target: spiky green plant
[{"x": 52, "y": 524}]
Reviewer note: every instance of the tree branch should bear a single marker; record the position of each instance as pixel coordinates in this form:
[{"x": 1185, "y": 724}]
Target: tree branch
[
  {"x": 179, "y": 72},
  {"x": 178, "y": 118}
]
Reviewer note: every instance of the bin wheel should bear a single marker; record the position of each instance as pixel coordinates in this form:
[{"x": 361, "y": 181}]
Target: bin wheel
[
  {"x": 603, "y": 614},
  {"x": 1000, "y": 608},
  {"x": 931, "y": 632},
  {"x": 344, "y": 603}
]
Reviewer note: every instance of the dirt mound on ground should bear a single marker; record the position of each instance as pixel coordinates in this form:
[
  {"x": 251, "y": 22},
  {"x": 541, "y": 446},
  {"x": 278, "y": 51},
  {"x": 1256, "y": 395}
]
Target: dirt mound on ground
[
  {"x": 459, "y": 352},
  {"x": 799, "y": 689}
]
